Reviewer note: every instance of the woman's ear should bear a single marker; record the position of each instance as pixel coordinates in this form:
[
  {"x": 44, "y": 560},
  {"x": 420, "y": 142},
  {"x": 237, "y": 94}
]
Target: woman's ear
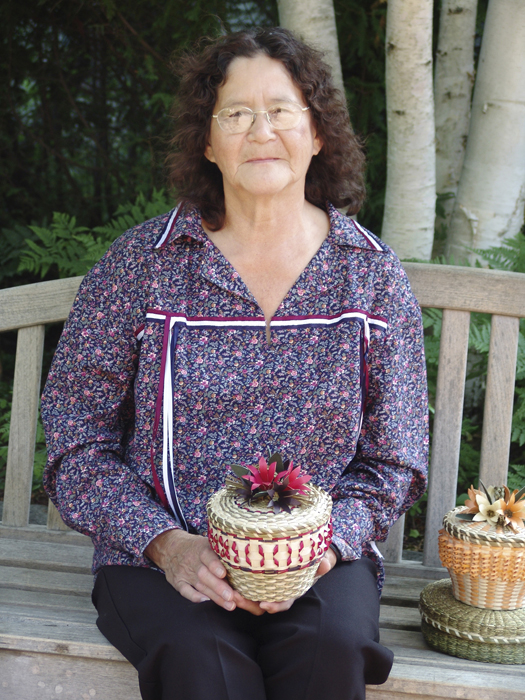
[
  {"x": 208, "y": 153},
  {"x": 318, "y": 144}
]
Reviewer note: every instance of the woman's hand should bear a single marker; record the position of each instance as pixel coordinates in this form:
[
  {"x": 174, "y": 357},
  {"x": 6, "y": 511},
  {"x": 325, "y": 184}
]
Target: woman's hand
[
  {"x": 195, "y": 571},
  {"x": 326, "y": 564}
]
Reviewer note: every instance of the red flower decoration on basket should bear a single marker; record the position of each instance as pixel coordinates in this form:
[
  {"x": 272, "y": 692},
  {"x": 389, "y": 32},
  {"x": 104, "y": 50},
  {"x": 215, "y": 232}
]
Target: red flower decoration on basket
[{"x": 273, "y": 479}]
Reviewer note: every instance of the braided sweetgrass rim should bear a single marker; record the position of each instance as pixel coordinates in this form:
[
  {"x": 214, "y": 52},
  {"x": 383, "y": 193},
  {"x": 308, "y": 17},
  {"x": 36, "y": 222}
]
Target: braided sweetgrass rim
[
  {"x": 472, "y": 532},
  {"x": 228, "y": 514}
]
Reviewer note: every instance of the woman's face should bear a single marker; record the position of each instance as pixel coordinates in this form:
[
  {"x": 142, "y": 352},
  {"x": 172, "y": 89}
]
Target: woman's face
[{"x": 262, "y": 161}]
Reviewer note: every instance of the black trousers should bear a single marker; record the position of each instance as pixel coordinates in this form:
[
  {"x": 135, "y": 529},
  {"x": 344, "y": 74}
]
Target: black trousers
[{"x": 325, "y": 646}]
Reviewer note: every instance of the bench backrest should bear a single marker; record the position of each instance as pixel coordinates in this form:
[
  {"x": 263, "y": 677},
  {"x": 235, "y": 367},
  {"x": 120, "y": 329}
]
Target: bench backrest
[{"x": 457, "y": 290}]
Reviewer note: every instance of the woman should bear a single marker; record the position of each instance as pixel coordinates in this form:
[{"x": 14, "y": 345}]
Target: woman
[{"x": 252, "y": 316}]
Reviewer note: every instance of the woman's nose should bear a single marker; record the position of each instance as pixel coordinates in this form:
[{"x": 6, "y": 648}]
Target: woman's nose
[{"x": 261, "y": 129}]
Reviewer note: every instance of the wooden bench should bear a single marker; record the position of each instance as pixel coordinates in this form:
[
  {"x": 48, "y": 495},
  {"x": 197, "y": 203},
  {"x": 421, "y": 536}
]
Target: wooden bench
[{"x": 49, "y": 644}]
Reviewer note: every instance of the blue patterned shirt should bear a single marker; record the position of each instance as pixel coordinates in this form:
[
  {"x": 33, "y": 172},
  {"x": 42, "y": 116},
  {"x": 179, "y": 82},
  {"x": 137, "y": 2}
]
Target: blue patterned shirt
[{"x": 164, "y": 376}]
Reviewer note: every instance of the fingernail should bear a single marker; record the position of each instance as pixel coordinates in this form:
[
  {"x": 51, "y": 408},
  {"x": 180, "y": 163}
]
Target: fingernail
[
  {"x": 204, "y": 599},
  {"x": 229, "y": 606},
  {"x": 227, "y": 595},
  {"x": 219, "y": 572}
]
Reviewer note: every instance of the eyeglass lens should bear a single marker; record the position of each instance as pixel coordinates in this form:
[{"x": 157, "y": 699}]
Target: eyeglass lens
[{"x": 284, "y": 115}]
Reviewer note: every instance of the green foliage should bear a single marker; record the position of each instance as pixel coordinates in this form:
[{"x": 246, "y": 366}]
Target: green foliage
[
  {"x": 510, "y": 255},
  {"x": 73, "y": 250}
]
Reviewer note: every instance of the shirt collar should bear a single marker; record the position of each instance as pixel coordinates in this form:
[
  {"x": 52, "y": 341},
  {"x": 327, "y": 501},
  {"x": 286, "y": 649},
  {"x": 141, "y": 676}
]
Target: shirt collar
[
  {"x": 347, "y": 232},
  {"x": 343, "y": 230}
]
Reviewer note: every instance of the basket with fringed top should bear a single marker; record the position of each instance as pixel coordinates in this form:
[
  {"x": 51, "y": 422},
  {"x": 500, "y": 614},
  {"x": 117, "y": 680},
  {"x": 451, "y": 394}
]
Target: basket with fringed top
[
  {"x": 270, "y": 530},
  {"x": 483, "y": 548}
]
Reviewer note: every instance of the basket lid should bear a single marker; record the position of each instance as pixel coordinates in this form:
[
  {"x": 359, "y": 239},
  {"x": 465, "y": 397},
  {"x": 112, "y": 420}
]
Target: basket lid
[
  {"x": 229, "y": 512},
  {"x": 441, "y": 610},
  {"x": 481, "y": 532}
]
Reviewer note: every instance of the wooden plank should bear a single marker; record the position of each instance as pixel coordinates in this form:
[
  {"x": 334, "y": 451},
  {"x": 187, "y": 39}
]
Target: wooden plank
[
  {"x": 14, "y": 618},
  {"x": 400, "y": 618},
  {"x": 468, "y": 288},
  {"x": 40, "y": 303},
  {"x": 414, "y": 569},
  {"x": 38, "y": 676},
  {"x": 54, "y": 521},
  {"x": 40, "y": 533},
  {"x": 466, "y": 680},
  {"x": 45, "y": 581},
  {"x": 446, "y": 440},
  {"x": 399, "y": 590},
  {"x": 22, "y": 431},
  {"x": 44, "y": 555},
  {"x": 16, "y": 599},
  {"x": 499, "y": 400},
  {"x": 392, "y": 549}
]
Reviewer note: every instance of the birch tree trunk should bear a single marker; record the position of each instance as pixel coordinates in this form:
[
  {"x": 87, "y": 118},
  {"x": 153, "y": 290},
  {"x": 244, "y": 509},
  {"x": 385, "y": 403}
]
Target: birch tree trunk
[
  {"x": 408, "y": 222},
  {"x": 453, "y": 92},
  {"x": 491, "y": 194},
  {"x": 314, "y": 22}
]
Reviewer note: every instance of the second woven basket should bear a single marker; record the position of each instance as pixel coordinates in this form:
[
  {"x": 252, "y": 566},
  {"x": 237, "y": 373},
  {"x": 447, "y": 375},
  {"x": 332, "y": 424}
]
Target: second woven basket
[{"x": 487, "y": 567}]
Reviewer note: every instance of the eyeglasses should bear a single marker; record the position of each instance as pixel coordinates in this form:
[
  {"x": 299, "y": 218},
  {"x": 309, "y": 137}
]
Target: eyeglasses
[{"x": 282, "y": 116}]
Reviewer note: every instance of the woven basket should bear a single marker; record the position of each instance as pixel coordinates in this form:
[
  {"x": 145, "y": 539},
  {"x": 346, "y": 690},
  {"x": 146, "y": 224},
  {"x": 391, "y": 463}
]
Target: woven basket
[
  {"x": 493, "y": 636},
  {"x": 487, "y": 568},
  {"x": 269, "y": 556}
]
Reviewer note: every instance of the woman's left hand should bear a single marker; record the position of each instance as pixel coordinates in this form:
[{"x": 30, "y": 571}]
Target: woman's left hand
[{"x": 326, "y": 564}]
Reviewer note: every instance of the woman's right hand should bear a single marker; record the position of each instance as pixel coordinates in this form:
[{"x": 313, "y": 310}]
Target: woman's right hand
[{"x": 195, "y": 571}]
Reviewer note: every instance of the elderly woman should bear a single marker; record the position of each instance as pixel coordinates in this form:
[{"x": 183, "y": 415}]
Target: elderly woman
[{"x": 254, "y": 315}]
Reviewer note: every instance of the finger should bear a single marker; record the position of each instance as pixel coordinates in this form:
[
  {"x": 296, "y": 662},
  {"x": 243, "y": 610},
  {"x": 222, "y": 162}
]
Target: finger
[
  {"x": 208, "y": 579},
  {"x": 191, "y": 593},
  {"x": 224, "y": 600},
  {"x": 323, "y": 568},
  {"x": 250, "y": 605},
  {"x": 273, "y": 608},
  {"x": 212, "y": 562}
]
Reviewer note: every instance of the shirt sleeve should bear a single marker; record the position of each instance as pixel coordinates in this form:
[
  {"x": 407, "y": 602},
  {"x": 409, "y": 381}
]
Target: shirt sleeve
[
  {"x": 389, "y": 470},
  {"x": 88, "y": 413}
]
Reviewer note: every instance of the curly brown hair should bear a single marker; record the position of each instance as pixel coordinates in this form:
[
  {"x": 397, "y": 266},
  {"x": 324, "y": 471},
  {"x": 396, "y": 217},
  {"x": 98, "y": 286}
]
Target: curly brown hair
[{"x": 335, "y": 175}]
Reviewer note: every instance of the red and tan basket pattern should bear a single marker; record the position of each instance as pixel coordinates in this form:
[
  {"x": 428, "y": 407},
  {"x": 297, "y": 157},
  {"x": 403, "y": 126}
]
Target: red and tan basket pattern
[
  {"x": 487, "y": 568},
  {"x": 270, "y": 556}
]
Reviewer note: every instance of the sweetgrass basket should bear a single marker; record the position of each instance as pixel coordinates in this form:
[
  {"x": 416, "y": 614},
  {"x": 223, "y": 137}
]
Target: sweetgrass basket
[
  {"x": 450, "y": 626},
  {"x": 486, "y": 567},
  {"x": 270, "y": 556}
]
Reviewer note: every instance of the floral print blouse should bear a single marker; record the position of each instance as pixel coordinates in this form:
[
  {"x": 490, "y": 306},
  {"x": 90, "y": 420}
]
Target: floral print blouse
[{"x": 164, "y": 376}]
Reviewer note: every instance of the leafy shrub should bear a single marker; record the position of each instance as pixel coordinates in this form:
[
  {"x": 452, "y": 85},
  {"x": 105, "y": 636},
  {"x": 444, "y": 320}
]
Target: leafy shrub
[{"x": 71, "y": 250}]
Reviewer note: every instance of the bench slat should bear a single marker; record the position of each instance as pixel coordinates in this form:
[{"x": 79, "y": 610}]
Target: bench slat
[
  {"x": 468, "y": 288},
  {"x": 54, "y": 521},
  {"x": 22, "y": 431},
  {"x": 499, "y": 399},
  {"x": 443, "y": 476},
  {"x": 32, "y": 304},
  {"x": 392, "y": 549}
]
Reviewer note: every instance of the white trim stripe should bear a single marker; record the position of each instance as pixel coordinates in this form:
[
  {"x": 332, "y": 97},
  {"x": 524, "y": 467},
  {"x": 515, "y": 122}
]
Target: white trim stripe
[
  {"x": 257, "y": 322},
  {"x": 167, "y": 228},
  {"x": 368, "y": 237}
]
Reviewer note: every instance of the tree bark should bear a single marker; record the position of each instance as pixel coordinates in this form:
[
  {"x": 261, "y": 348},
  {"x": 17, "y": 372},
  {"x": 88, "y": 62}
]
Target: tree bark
[
  {"x": 408, "y": 222},
  {"x": 453, "y": 84},
  {"x": 491, "y": 194},
  {"x": 314, "y": 22}
]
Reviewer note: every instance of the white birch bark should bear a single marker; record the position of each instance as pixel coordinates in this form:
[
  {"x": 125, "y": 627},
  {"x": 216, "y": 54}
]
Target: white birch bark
[
  {"x": 408, "y": 222},
  {"x": 314, "y": 22},
  {"x": 491, "y": 194},
  {"x": 454, "y": 79}
]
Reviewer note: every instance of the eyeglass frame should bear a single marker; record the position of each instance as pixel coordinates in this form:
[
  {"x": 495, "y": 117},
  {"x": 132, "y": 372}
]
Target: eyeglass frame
[{"x": 254, "y": 115}]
